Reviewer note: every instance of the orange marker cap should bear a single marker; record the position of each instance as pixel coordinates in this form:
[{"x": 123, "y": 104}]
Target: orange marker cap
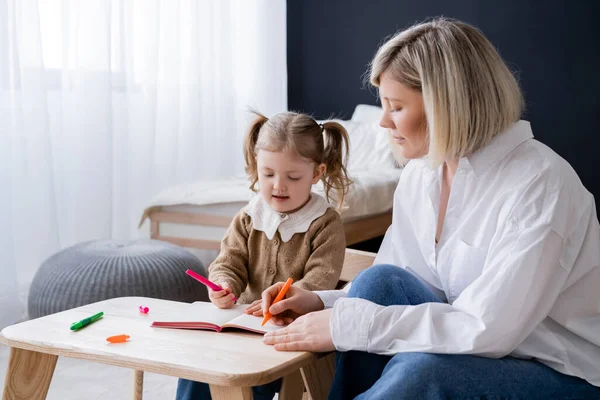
[
  {"x": 117, "y": 338},
  {"x": 279, "y": 297}
]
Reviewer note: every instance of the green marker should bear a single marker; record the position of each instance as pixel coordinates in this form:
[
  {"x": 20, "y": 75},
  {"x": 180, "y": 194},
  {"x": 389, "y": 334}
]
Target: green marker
[{"x": 86, "y": 321}]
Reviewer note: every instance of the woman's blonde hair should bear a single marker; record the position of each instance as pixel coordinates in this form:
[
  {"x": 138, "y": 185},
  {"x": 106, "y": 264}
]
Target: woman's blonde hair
[
  {"x": 321, "y": 143},
  {"x": 468, "y": 91}
]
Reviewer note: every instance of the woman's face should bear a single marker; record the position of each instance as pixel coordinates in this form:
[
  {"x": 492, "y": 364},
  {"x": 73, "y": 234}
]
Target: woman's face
[{"x": 404, "y": 116}]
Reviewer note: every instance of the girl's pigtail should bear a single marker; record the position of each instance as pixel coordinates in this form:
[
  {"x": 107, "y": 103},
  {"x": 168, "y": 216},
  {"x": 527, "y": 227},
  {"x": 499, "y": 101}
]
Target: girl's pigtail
[
  {"x": 335, "y": 159},
  {"x": 250, "y": 149}
]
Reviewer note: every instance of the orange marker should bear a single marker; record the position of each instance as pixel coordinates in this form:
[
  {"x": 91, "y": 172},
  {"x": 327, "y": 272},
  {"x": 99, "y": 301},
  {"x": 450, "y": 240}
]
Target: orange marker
[
  {"x": 117, "y": 338},
  {"x": 280, "y": 295}
]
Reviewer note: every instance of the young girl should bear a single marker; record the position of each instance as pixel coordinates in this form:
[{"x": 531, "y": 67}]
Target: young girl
[{"x": 287, "y": 230}]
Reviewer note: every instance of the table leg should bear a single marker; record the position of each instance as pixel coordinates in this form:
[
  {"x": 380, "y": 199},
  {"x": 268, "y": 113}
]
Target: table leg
[
  {"x": 230, "y": 393},
  {"x": 29, "y": 375},
  {"x": 138, "y": 384},
  {"x": 292, "y": 387},
  {"x": 318, "y": 377}
]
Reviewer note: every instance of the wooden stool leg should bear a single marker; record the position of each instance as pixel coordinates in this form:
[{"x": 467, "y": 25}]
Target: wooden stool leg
[
  {"x": 138, "y": 385},
  {"x": 29, "y": 375},
  {"x": 230, "y": 393},
  {"x": 318, "y": 377},
  {"x": 292, "y": 387}
]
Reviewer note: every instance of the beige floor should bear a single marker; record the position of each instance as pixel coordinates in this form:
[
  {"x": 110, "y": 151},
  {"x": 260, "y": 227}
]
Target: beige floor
[{"x": 77, "y": 379}]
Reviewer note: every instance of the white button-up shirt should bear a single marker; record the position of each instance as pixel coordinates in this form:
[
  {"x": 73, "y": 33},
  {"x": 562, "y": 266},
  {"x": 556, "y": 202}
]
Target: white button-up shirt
[{"x": 518, "y": 263}]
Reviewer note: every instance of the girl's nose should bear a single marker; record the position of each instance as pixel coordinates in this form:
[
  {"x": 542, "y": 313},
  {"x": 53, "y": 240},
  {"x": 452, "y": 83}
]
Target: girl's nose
[{"x": 278, "y": 184}]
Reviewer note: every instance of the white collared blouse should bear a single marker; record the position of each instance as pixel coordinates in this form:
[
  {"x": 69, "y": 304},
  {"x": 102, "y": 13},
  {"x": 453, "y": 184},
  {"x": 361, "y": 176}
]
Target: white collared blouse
[{"x": 518, "y": 263}]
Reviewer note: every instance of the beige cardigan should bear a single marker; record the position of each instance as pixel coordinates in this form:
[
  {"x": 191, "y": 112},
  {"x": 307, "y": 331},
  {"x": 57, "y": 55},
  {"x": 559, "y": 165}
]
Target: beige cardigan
[{"x": 250, "y": 262}]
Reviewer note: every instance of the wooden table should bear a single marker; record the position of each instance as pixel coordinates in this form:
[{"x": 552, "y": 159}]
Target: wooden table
[{"x": 231, "y": 363}]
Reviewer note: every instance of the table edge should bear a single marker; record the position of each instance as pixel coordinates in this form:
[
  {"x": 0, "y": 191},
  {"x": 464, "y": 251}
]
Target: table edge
[{"x": 219, "y": 378}]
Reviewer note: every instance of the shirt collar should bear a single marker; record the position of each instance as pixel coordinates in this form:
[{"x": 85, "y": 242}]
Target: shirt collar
[
  {"x": 500, "y": 146},
  {"x": 269, "y": 221}
]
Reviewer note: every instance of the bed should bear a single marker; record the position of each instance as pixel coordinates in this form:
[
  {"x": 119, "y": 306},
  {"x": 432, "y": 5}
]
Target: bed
[{"x": 196, "y": 215}]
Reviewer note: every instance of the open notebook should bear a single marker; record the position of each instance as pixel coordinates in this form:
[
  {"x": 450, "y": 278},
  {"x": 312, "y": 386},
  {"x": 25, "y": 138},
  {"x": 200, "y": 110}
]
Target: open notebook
[{"x": 205, "y": 315}]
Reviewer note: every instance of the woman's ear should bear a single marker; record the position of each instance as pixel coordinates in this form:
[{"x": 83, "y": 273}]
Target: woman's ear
[{"x": 319, "y": 171}]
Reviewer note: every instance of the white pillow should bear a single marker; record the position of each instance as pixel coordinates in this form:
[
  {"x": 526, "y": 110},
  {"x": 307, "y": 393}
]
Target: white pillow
[
  {"x": 366, "y": 113},
  {"x": 370, "y": 146}
]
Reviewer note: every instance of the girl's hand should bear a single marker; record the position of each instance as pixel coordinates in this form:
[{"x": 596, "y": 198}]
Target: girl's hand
[
  {"x": 222, "y": 298},
  {"x": 310, "y": 332},
  {"x": 297, "y": 302},
  {"x": 255, "y": 308}
]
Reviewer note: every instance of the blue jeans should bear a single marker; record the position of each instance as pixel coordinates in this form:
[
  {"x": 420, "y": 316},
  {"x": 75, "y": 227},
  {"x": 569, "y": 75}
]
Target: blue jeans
[
  {"x": 439, "y": 376},
  {"x": 192, "y": 390}
]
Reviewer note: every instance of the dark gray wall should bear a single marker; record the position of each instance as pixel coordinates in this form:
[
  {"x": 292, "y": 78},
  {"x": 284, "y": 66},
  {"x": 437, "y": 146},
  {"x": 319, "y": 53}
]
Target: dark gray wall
[{"x": 553, "y": 45}]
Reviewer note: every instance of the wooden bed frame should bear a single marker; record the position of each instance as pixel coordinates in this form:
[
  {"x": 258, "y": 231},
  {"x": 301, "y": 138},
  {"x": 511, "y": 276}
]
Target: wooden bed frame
[{"x": 356, "y": 231}]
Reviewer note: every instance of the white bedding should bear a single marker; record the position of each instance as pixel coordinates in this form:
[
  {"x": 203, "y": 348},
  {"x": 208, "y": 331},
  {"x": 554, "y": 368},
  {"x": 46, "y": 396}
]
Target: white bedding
[
  {"x": 372, "y": 165},
  {"x": 371, "y": 194}
]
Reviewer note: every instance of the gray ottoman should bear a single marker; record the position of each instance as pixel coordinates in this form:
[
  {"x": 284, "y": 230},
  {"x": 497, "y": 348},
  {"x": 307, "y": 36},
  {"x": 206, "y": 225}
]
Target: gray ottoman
[{"x": 99, "y": 270}]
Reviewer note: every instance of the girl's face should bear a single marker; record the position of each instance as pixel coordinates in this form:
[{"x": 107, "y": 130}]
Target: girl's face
[
  {"x": 404, "y": 116},
  {"x": 285, "y": 179}
]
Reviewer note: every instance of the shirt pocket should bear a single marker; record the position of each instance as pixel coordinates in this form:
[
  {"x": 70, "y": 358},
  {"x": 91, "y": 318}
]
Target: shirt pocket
[{"x": 467, "y": 265}]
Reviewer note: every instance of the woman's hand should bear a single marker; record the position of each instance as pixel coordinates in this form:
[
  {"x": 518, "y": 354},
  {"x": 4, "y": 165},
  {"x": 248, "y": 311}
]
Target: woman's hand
[
  {"x": 255, "y": 308},
  {"x": 310, "y": 332},
  {"x": 297, "y": 302},
  {"x": 222, "y": 298}
]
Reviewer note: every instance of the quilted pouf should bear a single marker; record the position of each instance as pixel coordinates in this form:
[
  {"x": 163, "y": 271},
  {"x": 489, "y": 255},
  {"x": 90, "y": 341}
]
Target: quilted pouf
[{"x": 103, "y": 269}]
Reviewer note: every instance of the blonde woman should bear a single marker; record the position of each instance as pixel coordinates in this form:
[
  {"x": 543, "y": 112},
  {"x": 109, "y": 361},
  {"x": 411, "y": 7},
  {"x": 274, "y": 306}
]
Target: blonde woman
[{"x": 487, "y": 284}]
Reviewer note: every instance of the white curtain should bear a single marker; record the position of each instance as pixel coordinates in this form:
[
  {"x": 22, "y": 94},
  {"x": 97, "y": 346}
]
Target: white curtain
[{"x": 105, "y": 102}]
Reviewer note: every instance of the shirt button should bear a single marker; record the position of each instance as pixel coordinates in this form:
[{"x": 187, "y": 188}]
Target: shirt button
[
  {"x": 271, "y": 271},
  {"x": 283, "y": 216},
  {"x": 276, "y": 242}
]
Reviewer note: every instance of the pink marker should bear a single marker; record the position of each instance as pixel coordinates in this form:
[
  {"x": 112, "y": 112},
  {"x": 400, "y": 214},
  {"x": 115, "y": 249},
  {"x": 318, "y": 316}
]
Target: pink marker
[{"x": 206, "y": 282}]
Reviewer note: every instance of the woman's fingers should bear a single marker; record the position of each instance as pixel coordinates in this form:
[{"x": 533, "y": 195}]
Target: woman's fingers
[
  {"x": 278, "y": 320},
  {"x": 269, "y": 294},
  {"x": 283, "y": 305},
  {"x": 287, "y": 338},
  {"x": 284, "y": 319},
  {"x": 297, "y": 302},
  {"x": 288, "y": 341},
  {"x": 296, "y": 327},
  {"x": 254, "y": 308},
  {"x": 310, "y": 333},
  {"x": 279, "y": 335},
  {"x": 293, "y": 346}
]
